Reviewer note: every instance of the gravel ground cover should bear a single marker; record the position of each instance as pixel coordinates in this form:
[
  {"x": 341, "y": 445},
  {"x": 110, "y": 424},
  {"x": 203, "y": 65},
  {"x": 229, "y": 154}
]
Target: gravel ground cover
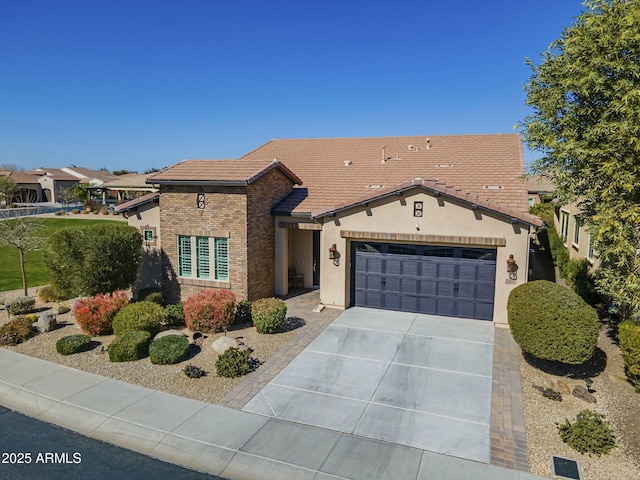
[
  {"x": 168, "y": 378},
  {"x": 615, "y": 398}
]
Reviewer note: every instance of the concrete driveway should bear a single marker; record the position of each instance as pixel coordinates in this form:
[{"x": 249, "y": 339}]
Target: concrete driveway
[{"x": 418, "y": 380}]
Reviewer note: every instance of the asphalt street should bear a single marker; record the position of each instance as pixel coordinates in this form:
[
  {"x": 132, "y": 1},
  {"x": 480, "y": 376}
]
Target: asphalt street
[{"x": 33, "y": 450}]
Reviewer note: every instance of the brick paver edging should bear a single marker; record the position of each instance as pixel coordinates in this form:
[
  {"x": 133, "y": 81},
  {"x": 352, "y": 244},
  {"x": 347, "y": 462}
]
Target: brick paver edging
[
  {"x": 302, "y": 307},
  {"x": 508, "y": 438}
]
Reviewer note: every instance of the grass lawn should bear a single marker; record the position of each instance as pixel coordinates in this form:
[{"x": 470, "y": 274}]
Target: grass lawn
[{"x": 10, "y": 277}]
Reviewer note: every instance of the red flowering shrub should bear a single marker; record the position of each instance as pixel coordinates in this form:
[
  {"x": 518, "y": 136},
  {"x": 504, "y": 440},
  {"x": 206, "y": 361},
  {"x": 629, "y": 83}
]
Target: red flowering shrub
[
  {"x": 209, "y": 310},
  {"x": 94, "y": 315}
]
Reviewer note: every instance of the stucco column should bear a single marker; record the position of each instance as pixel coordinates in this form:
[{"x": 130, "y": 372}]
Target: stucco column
[{"x": 281, "y": 255}]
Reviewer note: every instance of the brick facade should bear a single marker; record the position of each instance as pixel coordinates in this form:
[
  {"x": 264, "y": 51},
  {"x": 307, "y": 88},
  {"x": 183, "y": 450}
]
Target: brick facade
[
  {"x": 241, "y": 214},
  {"x": 262, "y": 196}
]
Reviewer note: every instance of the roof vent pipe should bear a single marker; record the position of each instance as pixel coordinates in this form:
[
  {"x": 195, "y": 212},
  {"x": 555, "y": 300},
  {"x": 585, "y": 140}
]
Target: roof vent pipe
[
  {"x": 428, "y": 144},
  {"x": 384, "y": 154}
]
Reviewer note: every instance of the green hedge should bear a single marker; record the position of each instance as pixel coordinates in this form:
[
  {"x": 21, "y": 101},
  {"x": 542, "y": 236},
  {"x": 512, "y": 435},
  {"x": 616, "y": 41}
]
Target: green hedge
[
  {"x": 552, "y": 323},
  {"x": 268, "y": 314},
  {"x": 145, "y": 316},
  {"x": 169, "y": 350},
  {"x": 629, "y": 341},
  {"x": 130, "y": 346},
  {"x": 73, "y": 344}
]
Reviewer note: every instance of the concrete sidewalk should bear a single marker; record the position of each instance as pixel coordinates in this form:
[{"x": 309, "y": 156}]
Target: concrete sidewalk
[{"x": 210, "y": 438}]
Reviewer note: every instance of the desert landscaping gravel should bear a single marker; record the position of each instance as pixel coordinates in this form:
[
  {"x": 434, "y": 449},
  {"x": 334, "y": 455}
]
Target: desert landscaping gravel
[
  {"x": 168, "y": 378},
  {"x": 615, "y": 397}
]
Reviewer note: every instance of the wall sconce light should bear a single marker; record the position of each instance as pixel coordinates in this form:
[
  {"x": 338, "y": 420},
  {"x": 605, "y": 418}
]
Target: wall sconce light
[
  {"x": 512, "y": 268},
  {"x": 334, "y": 255}
]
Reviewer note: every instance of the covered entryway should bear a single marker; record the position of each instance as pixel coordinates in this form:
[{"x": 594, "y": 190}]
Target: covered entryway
[{"x": 440, "y": 280}]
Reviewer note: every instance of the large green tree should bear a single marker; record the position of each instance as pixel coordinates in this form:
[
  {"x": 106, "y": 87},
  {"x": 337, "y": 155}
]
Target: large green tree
[
  {"x": 585, "y": 96},
  {"x": 85, "y": 261}
]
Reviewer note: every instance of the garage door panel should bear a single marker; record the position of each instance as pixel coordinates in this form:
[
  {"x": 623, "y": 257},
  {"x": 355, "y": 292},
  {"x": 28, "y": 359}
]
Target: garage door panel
[
  {"x": 426, "y": 279},
  {"x": 467, "y": 290},
  {"x": 484, "y": 311},
  {"x": 485, "y": 292}
]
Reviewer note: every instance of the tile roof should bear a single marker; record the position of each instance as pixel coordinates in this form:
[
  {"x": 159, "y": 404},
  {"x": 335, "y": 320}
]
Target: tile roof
[
  {"x": 540, "y": 184},
  {"x": 54, "y": 173},
  {"x": 437, "y": 188},
  {"x": 90, "y": 174},
  {"x": 19, "y": 177},
  {"x": 221, "y": 172},
  {"x": 136, "y": 202},
  {"x": 340, "y": 171},
  {"x": 133, "y": 180}
]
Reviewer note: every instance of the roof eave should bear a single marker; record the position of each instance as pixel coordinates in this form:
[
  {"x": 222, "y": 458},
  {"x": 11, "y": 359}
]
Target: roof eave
[{"x": 215, "y": 183}]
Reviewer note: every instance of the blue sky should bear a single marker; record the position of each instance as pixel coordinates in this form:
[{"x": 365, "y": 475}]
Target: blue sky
[{"x": 129, "y": 84}]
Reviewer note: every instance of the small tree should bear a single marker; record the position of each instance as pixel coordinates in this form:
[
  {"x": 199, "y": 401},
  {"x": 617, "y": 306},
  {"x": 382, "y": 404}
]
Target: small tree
[
  {"x": 94, "y": 259},
  {"x": 78, "y": 191},
  {"x": 21, "y": 233},
  {"x": 8, "y": 188}
]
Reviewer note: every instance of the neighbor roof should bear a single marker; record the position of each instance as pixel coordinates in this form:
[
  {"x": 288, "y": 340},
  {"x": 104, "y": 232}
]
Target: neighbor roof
[
  {"x": 19, "y": 177},
  {"x": 136, "y": 202},
  {"x": 132, "y": 180},
  {"x": 220, "y": 172},
  {"x": 54, "y": 173},
  {"x": 540, "y": 184},
  {"x": 343, "y": 171}
]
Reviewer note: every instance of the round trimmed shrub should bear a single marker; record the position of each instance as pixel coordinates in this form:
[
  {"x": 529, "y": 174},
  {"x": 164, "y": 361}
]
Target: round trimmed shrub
[
  {"x": 209, "y": 310},
  {"x": 94, "y": 315},
  {"x": 269, "y": 314},
  {"x": 129, "y": 347},
  {"x": 17, "y": 331},
  {"x": 145, "y": 316},
  {"x": 553, "y": 323},
  {"x": 629, "y": 341},
  {"x": 73, "y": 344},
  {"x": 169, "y": 350},
  {"x": 46, "y": 295},
  {"x": 590, "y": 433},
  {"x": 173, "y": 315},
  {"x": 233, "y": 363},
  {"x": 151, "y": 294}
]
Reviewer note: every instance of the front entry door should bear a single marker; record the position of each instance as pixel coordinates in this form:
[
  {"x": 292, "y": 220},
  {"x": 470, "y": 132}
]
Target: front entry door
[{"x": 316, "y": 258}]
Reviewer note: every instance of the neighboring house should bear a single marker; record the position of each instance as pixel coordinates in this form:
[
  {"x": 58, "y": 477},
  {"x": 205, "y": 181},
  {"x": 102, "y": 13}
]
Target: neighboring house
[
  {"x": 29, "y": 190},
  {"x": 53, "y": 182},
  {"x": 402, "y": 223},
  {"x": 574, "y": 235},
  {"x": 129, "y": 186},
  {"x": 539, "y": 189},
  {"x": 94, "y": 178},
  {"x": 143, "y": 213}
]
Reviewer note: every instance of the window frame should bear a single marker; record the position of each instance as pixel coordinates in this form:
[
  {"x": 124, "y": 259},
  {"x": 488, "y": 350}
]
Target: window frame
[
  {"x": 205, "y": 259},
  {"x": 564, "y": 225}
]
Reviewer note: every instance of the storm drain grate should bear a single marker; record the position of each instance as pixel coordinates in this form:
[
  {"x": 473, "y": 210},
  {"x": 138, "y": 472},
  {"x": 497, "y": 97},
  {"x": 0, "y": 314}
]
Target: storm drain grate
[{"x": 565, "y": 467}]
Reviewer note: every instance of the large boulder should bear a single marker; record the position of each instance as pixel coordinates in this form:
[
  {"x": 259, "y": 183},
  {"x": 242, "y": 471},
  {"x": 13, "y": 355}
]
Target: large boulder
[
  {"x": 46, "y": 322},
  {"x": 223, "y": 344}
]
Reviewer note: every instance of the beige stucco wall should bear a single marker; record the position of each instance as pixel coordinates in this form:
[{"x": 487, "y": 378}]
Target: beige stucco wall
[
  {"x": 150, "y": 270},
  {"x": 301, "y": 254},
  {"x": 579, "y": 249},
  {"x": 442, "y": 216}
]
